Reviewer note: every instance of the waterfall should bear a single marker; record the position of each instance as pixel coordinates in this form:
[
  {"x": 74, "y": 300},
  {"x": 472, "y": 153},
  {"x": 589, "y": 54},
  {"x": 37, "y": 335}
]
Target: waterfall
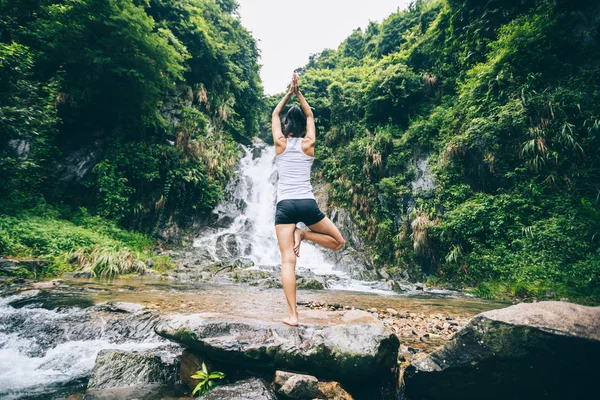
[{"x": 245, "y": 225}]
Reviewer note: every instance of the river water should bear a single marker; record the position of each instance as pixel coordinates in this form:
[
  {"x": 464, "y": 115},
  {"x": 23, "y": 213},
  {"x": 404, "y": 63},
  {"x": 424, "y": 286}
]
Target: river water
[{"x": 49, "y": 338}]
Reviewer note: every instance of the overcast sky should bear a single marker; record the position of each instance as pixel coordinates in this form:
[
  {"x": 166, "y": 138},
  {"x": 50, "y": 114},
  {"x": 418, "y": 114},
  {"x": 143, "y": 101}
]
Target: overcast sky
[{"x": 289, "y": 31}]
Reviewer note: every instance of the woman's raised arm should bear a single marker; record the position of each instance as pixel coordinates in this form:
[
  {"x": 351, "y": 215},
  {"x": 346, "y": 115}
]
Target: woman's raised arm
[
  {"x": 311, "y": 131},
  {"x": 278, "y": 138}
]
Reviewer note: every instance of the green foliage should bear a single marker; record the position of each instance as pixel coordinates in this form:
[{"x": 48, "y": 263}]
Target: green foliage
[
  {"x": 130, "y": 109},
  {"x": 87, "y": 243},
  {"x": 501, "y": 99},
  {"x": 207, "y": 381}
]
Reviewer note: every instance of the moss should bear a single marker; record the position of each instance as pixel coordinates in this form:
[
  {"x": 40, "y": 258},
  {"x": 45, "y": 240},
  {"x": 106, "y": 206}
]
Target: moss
[{"x": 184, "y": 335}]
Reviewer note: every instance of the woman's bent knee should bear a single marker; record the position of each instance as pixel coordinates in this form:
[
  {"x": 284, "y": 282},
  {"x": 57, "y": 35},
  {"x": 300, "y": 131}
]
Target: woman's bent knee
[{"x": 341, "y": 243}]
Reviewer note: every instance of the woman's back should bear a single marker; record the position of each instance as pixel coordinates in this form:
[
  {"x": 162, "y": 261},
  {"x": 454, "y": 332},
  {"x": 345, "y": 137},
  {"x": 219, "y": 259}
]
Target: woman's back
[{"x": 293, "y": 167}]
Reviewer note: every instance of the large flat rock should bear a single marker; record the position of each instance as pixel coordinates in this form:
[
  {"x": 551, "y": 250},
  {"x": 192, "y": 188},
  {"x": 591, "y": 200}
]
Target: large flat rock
[
  {"x": 544, "y": 350},
  {"x": 359, "y": 347}
]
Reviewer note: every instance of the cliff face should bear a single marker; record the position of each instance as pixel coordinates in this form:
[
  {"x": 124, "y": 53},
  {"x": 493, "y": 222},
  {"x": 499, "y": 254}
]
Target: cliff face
[{"x": 356, "y": 258}]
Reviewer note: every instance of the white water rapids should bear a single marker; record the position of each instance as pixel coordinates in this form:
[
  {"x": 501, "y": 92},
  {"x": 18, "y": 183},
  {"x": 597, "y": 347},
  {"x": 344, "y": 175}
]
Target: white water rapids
[{"x": 39, "y": 354}]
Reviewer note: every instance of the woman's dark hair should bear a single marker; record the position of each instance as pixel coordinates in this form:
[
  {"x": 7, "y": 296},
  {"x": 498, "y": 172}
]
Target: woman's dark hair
[{"x": 295, "y": 122}]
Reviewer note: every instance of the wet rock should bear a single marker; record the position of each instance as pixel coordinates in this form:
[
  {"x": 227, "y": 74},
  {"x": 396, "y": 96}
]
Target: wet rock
[
  {"x": 45, "y": 285},
  {"x": 310, "y": 283},
  {"x": 29, "y": 293},
  {"x": 243, "y": 263},
  {"x": 119, "y": 369},
  {"x": 82, "y": 322},
  {"x": 119, "y": 307},
  {"x": 543, "y": 350},
  {"x": 148, "y": 392},
  {"x": 11, "y": 267},
  {"x": 390, "y": 285},
  {"x": 21, "y": 147},
  {"x": 351, "y": 350},
  {"x": 248, "y": 389},
  {"x": 383, "y": 273},
  {"x": 333, "y": 391},
  {"x": 296, "y": 386},
  {"x": 76, "y": 165}
]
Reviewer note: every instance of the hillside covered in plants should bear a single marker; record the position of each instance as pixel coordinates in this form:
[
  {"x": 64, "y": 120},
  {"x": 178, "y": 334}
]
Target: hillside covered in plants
[
  {"x": 118, "y": 114},
  {"x": 498, "y": 102}
]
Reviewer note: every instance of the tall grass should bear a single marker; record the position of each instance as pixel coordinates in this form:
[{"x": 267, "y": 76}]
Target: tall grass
[
  {"x": 81, "y": 242},
  {"x": 108, "y": 262}
]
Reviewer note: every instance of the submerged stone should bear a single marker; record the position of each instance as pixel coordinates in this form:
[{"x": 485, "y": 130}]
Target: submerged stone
[{"x": 544, "y": 350}]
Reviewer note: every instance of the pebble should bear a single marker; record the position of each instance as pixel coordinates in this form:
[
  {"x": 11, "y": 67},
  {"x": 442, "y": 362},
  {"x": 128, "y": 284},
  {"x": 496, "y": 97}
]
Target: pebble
[{"x": 425, "y": 330}]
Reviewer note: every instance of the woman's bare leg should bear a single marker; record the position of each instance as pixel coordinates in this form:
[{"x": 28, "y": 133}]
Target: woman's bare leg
[
  {"x": 285, "y": 237},
  {"x": 324, "y": 233}
]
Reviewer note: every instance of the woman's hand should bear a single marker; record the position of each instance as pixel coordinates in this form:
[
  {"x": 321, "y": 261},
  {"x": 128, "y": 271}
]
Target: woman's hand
[
  {"x": 294, "y": 85},
  {"x": 295, "y": 82}
]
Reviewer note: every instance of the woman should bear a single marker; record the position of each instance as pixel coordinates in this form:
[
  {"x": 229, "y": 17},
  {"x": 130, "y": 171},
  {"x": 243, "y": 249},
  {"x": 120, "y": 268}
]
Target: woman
[{"x": 294, "y": 155}]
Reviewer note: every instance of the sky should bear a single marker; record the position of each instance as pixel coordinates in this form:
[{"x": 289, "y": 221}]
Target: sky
[{"x": 288, "y": 32}]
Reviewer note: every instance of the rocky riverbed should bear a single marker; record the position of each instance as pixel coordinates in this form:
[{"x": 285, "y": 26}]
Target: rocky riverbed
[
  {"x": 91, "y": 339},
  {"x": 45, "y": 324}
]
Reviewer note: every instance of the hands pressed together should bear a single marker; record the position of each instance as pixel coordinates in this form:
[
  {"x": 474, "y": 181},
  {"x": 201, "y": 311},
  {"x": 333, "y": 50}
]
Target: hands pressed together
[{"x": 294, "y": 85}]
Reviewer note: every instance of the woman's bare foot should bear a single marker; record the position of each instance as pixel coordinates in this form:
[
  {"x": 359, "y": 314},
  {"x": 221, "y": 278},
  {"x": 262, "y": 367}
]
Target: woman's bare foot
[
  {"x": 298, "y": 236},
  {"x": 291, "y": 321}
]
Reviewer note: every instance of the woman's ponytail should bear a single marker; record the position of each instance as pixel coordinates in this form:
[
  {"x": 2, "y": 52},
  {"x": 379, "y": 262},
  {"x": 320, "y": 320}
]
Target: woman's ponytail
[{"x": 295, "y": 122}]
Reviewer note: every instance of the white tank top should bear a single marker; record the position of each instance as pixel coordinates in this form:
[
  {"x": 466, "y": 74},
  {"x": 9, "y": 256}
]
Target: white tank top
[{"x": 293, "y": 168}]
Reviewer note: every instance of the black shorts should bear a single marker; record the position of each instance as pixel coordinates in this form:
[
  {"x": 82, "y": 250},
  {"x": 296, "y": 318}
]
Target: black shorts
[{"x": 293, "y": 211}]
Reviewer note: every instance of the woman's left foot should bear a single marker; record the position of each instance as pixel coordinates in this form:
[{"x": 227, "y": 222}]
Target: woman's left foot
[
  {"x": 291, "y": 321},
  {"x": 298, "y": 236}
]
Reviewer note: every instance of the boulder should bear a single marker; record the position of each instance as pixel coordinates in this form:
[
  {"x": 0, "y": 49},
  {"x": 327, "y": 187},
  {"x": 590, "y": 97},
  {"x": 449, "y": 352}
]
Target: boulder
[
  {"x": 333, "y": 391},
  {"x": 138, "y": 369},
  {"x": 248, "y": 389},
  {"x": 544, "y": 350},
  {"x": 296, "y": 386},
  {"x": 359, "y": 348}
]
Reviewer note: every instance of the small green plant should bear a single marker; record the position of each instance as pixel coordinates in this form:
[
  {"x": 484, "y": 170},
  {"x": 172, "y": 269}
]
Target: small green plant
[{"x": 207, "y": 380}]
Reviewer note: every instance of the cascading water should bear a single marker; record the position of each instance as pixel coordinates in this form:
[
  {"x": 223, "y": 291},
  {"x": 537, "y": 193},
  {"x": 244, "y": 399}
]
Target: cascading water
[
  {"x": 45, "y": 353},
  {"x": 245, "y": 228}
]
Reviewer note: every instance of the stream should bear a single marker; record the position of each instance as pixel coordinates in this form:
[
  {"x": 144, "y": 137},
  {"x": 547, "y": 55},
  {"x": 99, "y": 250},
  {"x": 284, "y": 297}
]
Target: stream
[
  {"x": 49, "y": 338},
  {"x": 50, "y": 334}
]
